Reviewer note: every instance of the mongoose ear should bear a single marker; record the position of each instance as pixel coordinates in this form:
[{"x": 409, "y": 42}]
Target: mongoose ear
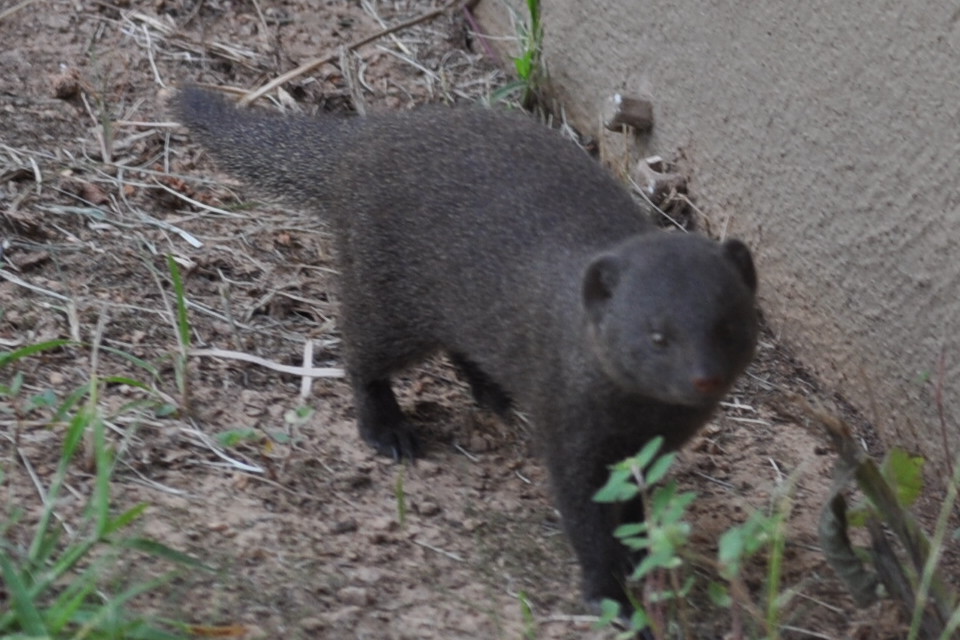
[
  {"x": 738, "y": 253},
  {"x": 599, "y": 282}
]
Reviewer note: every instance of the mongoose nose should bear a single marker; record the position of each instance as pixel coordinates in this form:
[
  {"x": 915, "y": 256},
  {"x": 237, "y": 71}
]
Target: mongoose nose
[{"x": 708, "y": 386}]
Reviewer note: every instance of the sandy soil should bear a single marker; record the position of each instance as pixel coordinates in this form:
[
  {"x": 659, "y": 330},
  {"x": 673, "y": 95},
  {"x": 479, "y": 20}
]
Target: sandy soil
[{"x": 300, "y": 519}]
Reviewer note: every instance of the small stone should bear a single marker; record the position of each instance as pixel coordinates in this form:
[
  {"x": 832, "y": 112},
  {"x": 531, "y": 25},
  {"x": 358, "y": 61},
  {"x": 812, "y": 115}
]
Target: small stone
[
  {"x": 478, "y": 443},
  {"x": 355, "y": 596},
  {"x": 344, "y": 526},
  {"x": 428, "y": 508},
  {"x": 343, "y": 614},
  {"x": 312, "y": 625},
  {"x": 384, "y": 523},
  {"x": 632, "y": 111},
  {"x": 427, "y": 468},
  {"x": 367, "y": 575},
  {"x": 471, "y": 524}
]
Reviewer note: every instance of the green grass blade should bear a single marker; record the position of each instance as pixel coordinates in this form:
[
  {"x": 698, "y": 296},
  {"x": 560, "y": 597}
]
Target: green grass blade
[
  {"x": 183, "y": 322},
  {"x": 533, "y": 6},
  {"x": 506, "y": 91},
  {"x": 130, "y": 382},
  {"x": 27, "y": 616},
  {"x": 64, "y": 610},
  {"x": 143, "y": 364},
  {"x": 40, "y": 547},
  {"x": 125, "y": 518},
  {"x": 10, "y": 357},
  {"x": 100, "y": 501},
  {"x": 58, "y": 569},
  {"x": 70, "y": 402},
  {"x": 161, "y": 550}
]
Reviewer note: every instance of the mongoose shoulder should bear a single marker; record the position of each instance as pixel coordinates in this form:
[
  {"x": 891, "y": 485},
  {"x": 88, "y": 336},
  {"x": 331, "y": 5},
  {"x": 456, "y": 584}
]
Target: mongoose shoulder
[{"x": 483, "y": 234}]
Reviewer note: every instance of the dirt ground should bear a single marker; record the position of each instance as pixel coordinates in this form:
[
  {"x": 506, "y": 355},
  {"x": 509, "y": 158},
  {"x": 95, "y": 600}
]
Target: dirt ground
[{"x": 98, "y": 185}]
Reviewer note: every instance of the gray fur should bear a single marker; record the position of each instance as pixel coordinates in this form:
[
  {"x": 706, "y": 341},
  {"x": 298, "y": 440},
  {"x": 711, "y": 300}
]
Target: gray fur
[{"x": 483, "y": 234}]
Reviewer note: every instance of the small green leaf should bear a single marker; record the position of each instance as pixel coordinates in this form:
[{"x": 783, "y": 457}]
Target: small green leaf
[
  {"x": 609, "y": 611},
  {"x": 165, "y": 410},
  {"x": 17, "y": 383},
  {"x": 656, "y": 559},
  {"x": 630, "y": 529},
  {"x": 618, "y": 488},
  {"x": 719, "y": 595},
  {"x": 298, "y": 416},
  {"x": 905, "y": 473},
  {"x": 42, "y": 400},
  {"x": 730, "y": 549},
  {"x": 280, "y": 437},
  {"x": 659, "y": 468},
  {"x": 648, "y": 452},
  {"x": 233, "y": 437},
  {"x": 639, "y": 620}
]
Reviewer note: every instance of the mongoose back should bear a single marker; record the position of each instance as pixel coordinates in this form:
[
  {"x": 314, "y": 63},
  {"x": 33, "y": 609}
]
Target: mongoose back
[{"x": 485, "y": 235}]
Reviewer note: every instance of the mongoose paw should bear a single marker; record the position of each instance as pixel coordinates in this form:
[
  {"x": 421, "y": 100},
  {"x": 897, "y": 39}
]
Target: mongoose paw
[
  {"x": 399, "y": 443},
  {"x": 623, "y": 621}
]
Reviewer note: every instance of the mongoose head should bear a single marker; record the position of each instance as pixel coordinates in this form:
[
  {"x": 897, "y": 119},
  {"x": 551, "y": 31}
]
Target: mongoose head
[{"x": 672, "y": 316}]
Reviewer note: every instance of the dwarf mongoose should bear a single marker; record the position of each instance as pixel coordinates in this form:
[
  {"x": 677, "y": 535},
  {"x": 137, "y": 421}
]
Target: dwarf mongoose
[{"x": 483, "y": 234}]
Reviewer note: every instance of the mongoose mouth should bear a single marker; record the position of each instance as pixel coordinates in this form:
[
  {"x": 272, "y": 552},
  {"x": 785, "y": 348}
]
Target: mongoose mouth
[{"x": 701, "y": 391}]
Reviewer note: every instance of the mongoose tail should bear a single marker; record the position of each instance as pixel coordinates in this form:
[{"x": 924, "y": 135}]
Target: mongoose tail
[{"x": 297, "y": 158}]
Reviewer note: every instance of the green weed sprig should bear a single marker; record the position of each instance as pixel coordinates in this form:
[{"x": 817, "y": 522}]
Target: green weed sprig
[{"x": 58, "y": 586}]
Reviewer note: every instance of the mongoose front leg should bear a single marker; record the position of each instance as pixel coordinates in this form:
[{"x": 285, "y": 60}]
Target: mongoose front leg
[
  {"x": 605, "y": 561},
  {"x": 381, "y": 421}
]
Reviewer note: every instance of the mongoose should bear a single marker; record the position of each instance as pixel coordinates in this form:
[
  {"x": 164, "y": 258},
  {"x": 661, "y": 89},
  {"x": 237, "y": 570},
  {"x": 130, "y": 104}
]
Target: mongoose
[{"x": 483, "y": 234}]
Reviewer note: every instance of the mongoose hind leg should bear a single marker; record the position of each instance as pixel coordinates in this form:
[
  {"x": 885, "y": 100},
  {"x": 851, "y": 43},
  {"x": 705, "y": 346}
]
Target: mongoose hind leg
[
  {"x": 381, "y": 422},
  {"x": 488, "y": 394}
]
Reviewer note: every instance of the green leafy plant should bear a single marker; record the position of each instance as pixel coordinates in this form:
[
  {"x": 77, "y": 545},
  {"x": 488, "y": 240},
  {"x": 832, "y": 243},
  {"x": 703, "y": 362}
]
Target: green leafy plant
[
  {"x": 763, "y": 531},
  {"x": 901, "y": 562},
  {"x": 63, "y": 582},
  {"x": 528, "y": 64},
  {"x": 230, "y": 438},
  {"x": 663, "y": 538},
  {"x": 903, "y": 472},
  {"x": 526, "y": 613}
]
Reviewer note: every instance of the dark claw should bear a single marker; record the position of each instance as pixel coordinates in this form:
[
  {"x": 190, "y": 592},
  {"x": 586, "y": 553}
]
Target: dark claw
[
  {"x": 399, "y": 443},
  {"x": 405, "y": 446},
  {"x": 381, "y": 422}
]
